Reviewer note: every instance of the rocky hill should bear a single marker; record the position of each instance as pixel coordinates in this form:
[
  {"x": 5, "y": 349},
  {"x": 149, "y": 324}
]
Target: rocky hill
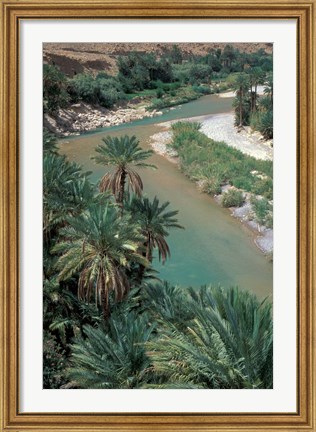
[{"x": 74, "y": 58}]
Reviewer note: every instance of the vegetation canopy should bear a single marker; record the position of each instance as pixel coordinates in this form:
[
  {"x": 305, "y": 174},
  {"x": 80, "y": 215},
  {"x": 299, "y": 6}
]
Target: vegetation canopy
[{"x": 109, "y": 322}]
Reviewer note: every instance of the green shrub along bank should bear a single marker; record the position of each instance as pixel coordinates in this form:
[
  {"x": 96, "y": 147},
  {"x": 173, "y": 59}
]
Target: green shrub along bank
[
  {"x": 232, "y": 198},
  {"x": 215, "y": 164},
  {"x": 166, "y": 80},
  {"x": 107, "y": 322}
]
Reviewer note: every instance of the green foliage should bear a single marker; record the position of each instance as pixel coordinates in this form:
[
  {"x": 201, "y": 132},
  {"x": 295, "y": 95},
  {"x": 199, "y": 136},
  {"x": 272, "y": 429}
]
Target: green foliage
[
  {"x": 202, "y": 89},
  {"x": 53, "y": 363},
  {"x": 242, "y": 102},
  {"x": 66, "y": 190},
  {"x": 140, "y": 71},
  {"x": 54, "y": 89},
  {"x": 114, "y": 357},
  {"x": 214, "y": 163},
  {"x": 263, "y": 211},
  {"x": 182, "y": 338},
  {"x": 155, "y": 222},
  {"x": 49, "y": 142},
  {"x": 227, "y": 345},
  {"x": 121, "y": 331},
  {"x": 211, "y": 185},
  {"x": 263, "y": 122},
  {"x": 102, "y": 90},
  {"x": 250, "y": 109},
  {"x": 266, "y": 125},
  {"x": 100, "y": 246},
  {"x": 263, "y": 187},
  {"x": 166, "y": 302},
  {"x": 122, "y": 153},
  {"x": 232, "y": 198}
]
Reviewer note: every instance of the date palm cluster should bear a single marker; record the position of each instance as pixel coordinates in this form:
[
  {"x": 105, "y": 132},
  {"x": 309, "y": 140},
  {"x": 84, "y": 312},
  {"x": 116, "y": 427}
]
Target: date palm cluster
[
  {"x": 97, "y": 240},
  {"x": 107, "y": 322}
]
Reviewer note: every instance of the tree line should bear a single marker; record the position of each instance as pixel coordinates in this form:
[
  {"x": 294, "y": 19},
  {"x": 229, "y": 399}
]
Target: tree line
[
  {"x": 138, "y": 72},
  {"x": 250, "y": 109}
]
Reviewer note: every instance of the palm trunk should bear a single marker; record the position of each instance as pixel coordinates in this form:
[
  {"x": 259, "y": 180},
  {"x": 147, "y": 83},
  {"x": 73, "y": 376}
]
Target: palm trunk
[
  {"x": 148, "y": 255},
  {"x": 121, "y": 191},
  {"x": 240, "y": 106},
  {"x": 255, "y": 98},
  {"x": 105, "y": 305}
]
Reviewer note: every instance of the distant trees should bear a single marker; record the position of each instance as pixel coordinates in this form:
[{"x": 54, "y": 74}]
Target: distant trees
[
  {"x": 137, "y": 70},
  {"x": 251, "y": 109},
  {"x": 241, "y": 85},
  {"x": 102, "y": 90},
  {"x": 54, "y": 89},
  {"x": 257, "y": 77},
  {"x": 140, "y": 71}
]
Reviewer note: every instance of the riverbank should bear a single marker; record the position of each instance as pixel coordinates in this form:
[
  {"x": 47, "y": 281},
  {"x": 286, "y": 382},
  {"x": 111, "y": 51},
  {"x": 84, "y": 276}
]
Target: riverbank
[
  {"x": 220, "y": 127},
  {"x": 83, "y": 117}
]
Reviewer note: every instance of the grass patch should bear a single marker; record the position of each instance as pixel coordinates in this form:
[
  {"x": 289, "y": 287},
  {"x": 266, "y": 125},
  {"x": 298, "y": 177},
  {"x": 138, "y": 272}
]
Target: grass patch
[{"x": 204, "y": 159}]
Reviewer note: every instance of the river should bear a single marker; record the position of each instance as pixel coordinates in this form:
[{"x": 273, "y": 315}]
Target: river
[{"x": 214, "y": 248}]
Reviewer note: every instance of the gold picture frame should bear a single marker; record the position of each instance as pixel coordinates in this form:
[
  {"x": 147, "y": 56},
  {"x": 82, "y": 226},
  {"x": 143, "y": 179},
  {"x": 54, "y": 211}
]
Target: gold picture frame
[{"x": 12, "y": 12}]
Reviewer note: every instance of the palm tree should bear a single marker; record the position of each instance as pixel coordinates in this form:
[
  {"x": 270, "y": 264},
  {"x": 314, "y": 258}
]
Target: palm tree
[
  {"x": 228, "y": 344},
  {"x": 101, "y": 247},
  {"x": 49, "y": 142},
  {"x": 111, "y": 359},
  {"x": 66, "y": 190},
  {"x": 155, "y": 223},
  {"x": 268, "y": 89},
  {"x": 256, "y": 75},
  {"x": 122, "y": 153},
  {"x": 241, "y": 85}
]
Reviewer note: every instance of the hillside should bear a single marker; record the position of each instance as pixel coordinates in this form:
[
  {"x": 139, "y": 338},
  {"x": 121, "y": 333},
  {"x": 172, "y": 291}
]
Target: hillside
[{"x": 74, "y": 58}]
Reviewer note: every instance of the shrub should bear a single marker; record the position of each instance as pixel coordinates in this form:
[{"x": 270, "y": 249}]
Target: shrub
[
  {"x": 102, "y": 90},
  {"x": 262, "y": 209},
  {"x": 263, "y": 120},
  {"x": 266, "y": 125},
  {"x": 53, "y": 362},
  {"x": 159, "y": 92},
  {"x": 242, "y": 183},
  {"x": 204, "y": 90},
  {"x": 212, "y": 186},
  {"x": 263, "y": 187},
  {"x": 54, "y": 89},
  {"x": 232, "y": 198}
]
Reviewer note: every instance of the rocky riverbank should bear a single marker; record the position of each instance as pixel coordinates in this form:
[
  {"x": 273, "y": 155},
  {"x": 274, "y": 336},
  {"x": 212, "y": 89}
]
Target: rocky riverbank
[
  {"x": 225, "y": 130},
  {"x": 82, "y": 117}
]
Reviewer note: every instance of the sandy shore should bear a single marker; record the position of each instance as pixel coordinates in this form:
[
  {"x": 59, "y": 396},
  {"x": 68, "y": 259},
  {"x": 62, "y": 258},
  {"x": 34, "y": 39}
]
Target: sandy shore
[
  {"x": 220, "y": 127},
  {"x": 230, "y": 94}
]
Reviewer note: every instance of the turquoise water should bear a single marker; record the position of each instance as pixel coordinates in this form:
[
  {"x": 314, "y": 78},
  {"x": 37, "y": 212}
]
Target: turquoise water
[{"x": 214, "y": 247}]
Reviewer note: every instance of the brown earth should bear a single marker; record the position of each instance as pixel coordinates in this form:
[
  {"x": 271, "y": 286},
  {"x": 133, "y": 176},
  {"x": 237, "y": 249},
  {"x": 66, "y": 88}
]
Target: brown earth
[{"x": 73, "y": 58}]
